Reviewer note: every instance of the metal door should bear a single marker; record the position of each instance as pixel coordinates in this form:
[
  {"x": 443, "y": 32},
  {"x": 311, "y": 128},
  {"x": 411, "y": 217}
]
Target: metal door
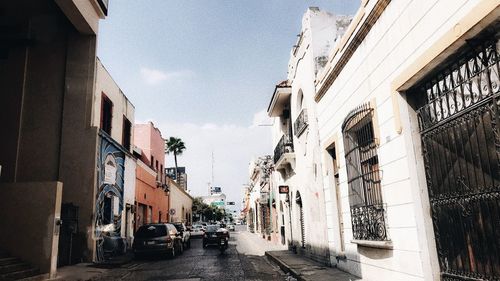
[
  {"x": 459, "y": 124},
  {"x": 67, "y": 235}
]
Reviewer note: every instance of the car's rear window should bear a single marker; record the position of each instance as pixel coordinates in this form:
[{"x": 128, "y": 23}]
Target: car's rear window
[
  {"x": 212, "y": 228},
  {"x": 151, "y": 231},
  {"x": 178, "y": 227}
]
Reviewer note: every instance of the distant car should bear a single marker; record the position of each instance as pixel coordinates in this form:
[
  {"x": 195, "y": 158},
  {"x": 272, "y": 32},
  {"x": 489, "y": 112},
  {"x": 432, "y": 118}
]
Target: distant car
[
  {"x": 213, "y": 234},
  {"x": 197, "y": 231},
  {"x": 230, "y": 227},
  {"x": 183, "y": 233},
  {"x": 158, "y": 238}
]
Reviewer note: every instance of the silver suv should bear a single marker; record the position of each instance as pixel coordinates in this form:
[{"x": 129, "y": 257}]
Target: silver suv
[{"x": 184, "y": 233}]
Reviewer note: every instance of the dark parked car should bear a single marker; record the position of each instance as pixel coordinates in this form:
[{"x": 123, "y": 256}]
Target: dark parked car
[
  {"x": 184, "y": 233},
  {"x": 114, "y": 244},
  {"x": 212, "y": 235},
  {"x": 158, "y": 238}
]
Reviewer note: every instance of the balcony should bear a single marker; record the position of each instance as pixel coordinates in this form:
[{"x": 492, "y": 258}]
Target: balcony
[
  {"x": 300, "y": 124},
  {"x": 280, "y": 100},
  {"x": 284, "y": 153}
]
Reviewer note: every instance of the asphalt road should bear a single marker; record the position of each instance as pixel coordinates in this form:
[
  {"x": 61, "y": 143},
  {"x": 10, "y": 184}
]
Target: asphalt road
[{"x": 198, "y": 263}]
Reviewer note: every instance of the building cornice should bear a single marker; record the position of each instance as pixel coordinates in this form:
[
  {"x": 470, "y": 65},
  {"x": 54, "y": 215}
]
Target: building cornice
[{"x": 349, "y": 44}]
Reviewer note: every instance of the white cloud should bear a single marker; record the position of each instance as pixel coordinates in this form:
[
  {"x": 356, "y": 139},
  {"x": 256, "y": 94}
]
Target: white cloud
[
  {"x": 261, "y": 119},
  {"x": 233, "y": 147},
  {"x": 155, "y": 76}
]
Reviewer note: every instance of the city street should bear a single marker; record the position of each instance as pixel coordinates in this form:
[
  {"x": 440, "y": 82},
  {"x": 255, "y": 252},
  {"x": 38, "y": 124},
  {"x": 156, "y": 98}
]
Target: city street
[{"x": 244, "y": 260}]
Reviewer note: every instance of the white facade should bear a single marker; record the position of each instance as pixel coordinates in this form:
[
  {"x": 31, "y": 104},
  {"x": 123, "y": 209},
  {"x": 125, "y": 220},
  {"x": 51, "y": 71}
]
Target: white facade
[
  {"x": 217, "y": 199},
  {"x": 407, "y": 41},
  {"x": 128, "y": 199},
  {"x": 295, "y": 133}
]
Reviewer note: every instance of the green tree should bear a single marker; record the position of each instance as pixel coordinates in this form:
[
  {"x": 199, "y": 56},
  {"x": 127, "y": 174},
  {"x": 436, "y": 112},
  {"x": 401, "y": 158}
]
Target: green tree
[
  {"x": 219, "y": 214},
  {"x": 176, "y": 146},
  {"x": 199, "y": 207}
]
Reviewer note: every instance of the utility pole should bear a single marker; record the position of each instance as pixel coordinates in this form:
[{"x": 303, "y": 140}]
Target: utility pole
[{"x": 213, "y": 162}]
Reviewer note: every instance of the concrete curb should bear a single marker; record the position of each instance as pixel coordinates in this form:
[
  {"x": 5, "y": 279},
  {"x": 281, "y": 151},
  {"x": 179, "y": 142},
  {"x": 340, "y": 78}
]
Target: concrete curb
[{"x": 285, "y": 267}]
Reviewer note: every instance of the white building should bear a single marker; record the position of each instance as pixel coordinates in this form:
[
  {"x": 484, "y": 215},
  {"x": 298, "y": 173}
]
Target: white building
[
  {"x": 297, "y": 156},
  {"x": 218, "y": 200},
  {"x": 261, "y": 211},
  {"x": 407, "y": 132}
]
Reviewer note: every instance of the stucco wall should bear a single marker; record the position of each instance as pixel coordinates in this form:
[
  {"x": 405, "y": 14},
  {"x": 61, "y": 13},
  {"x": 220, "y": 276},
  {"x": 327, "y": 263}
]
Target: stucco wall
[
  {"x": 403, "y": 32},
  {"x": 180, "y": 200},
  {"x": 40, "y": 204},
  {"x": 318, "y": 34},
  {"x": 121, "y": 105},
  {"x": 149, "y": 139},
  {"x": 147, "y": 193}
]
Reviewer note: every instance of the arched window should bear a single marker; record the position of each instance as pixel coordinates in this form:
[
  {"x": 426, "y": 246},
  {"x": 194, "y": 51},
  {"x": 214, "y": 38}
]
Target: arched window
[{"x": 363, "y": 175}]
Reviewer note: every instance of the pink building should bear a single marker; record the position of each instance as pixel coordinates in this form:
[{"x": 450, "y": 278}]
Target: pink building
[{"x": 151, "y": 193}]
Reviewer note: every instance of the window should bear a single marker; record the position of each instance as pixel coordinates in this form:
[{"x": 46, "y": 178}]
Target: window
[
  {"x": 363, "y": 175},
  {"x": 151, "y": 231},
  {"x": 106, "y": 114},
  {"x": 126, "y": 134},
  {"x": 152, "y": 162}
]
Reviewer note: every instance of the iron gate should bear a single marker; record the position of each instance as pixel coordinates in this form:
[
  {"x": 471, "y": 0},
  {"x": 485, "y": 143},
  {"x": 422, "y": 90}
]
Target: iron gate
[{"x": 459, "y": 123}]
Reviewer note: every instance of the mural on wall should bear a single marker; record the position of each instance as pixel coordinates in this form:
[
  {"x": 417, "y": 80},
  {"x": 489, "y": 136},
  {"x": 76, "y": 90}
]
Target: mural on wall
[{"x": 109, "y": 196}]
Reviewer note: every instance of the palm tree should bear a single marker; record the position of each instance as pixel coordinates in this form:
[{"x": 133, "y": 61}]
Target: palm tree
[{"x": 175, "y": 146}]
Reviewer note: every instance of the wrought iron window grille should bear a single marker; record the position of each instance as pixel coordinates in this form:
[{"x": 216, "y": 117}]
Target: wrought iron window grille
[
  {"x": 363, "y": 176},
  {"x": 301, "y": 123}
]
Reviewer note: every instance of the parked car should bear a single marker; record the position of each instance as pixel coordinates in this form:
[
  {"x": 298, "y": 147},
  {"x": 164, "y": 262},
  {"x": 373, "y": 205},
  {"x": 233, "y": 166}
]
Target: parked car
[
  {"x": 230, "y": 227},
  {"x": 183, "y": 233},
  {"x": 159, "y": 238},
  {"x": 213, "y": 234},
  {"x": 114, "y": 244},
  {"x": 197, "y": 231}
]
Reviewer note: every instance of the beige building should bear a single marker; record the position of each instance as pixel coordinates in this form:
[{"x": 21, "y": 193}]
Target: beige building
[
  {"x": 181, "y": 203},
  {"x": 48, "y": 149}
]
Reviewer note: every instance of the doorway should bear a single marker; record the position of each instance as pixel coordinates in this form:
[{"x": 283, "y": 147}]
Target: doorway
[{"x": 459, "y": 119}]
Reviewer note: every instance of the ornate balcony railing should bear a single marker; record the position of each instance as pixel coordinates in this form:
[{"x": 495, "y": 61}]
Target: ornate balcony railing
[
  {"x": 285, "y": 145},
  {"x": 300, "y": 123},
  {"x": 368, "y": 222}
]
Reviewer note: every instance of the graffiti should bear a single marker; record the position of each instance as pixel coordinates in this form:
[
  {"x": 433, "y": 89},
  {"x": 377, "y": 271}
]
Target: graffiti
[{"x": 109, "y": 195}]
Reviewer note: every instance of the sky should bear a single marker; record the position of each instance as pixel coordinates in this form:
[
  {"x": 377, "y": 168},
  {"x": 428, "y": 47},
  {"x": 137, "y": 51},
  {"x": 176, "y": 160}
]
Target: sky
[{"x": 205, "y": 71}]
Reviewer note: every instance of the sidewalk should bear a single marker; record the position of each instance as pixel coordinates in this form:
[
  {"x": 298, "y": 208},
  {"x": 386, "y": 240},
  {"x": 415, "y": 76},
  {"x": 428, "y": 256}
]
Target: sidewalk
[
  {"x": 305, "y": 269},
  {"x": 85, "y": 271},
  {"x": 256, "y": 245}
]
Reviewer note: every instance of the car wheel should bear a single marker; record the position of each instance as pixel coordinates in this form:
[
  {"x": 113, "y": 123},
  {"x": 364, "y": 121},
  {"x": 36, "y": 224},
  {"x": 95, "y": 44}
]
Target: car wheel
[{"x": 181, "y": 248}]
